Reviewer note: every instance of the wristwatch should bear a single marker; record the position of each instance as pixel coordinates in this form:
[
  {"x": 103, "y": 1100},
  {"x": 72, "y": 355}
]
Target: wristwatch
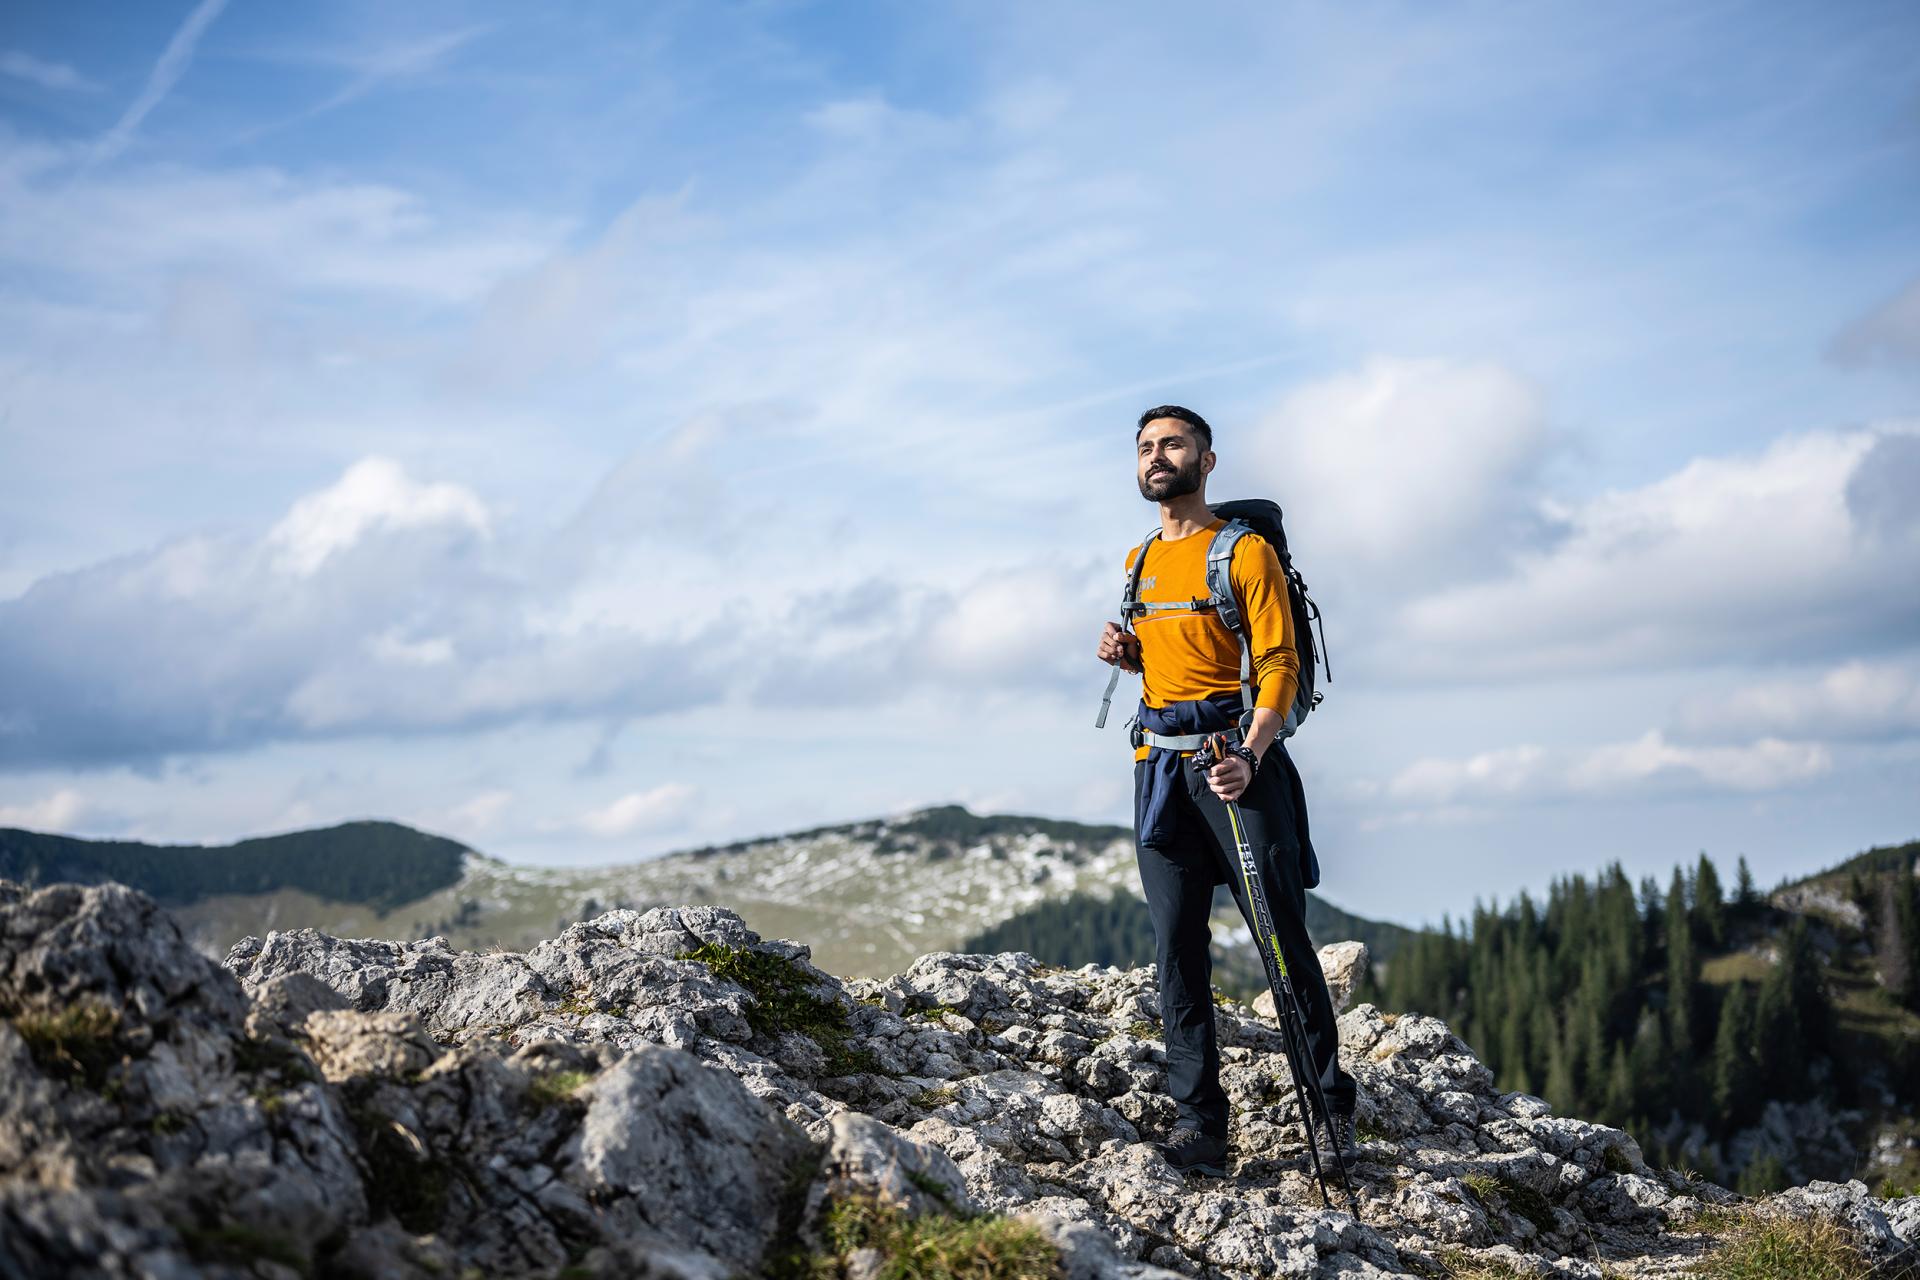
[{"x": 1246, "y": 753}]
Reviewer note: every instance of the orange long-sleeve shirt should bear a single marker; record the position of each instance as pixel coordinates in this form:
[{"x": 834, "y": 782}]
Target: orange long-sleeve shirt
[{"x": 1186, "y": 655}]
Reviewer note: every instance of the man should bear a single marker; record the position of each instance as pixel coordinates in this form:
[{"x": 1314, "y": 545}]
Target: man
[{"x": 1190, "y": 664}]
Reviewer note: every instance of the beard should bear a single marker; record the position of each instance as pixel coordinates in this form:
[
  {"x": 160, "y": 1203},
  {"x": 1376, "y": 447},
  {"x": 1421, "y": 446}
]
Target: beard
[{"x": 1177, "y": 483}]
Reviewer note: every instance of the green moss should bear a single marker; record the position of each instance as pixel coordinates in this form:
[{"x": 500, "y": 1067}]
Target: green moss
[
  {"x": 1778, "y": 1247},
  {"x": 1497, "y": 1192},
  {"x": 556, "y": 1087},
  {"x": 939, "y": 1246},
  {"x": 236, "y": 1245},
  {"x": 577, "y": 1005},
  {"x": 1614, "y": 1160},
  {"x": 271, "y": 1057},
  {"x": 929, "y": 1099},
  {"x": 783, "y": 1001},
  {"x": 166, "y": 1123},
  {"x": 1143, "y": 1030},
  {"x": 76, "y": 1043},
  {"x": 1367, "y": 1133},
  {"x": 402, "y": 1179}
]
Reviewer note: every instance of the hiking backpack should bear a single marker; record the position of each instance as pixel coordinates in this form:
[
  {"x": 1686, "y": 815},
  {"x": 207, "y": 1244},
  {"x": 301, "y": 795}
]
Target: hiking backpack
[{"x": 1249, "y": 515}]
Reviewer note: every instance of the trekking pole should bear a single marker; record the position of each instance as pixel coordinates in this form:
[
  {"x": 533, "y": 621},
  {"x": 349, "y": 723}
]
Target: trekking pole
[{"x": 1293, "y": 1026}]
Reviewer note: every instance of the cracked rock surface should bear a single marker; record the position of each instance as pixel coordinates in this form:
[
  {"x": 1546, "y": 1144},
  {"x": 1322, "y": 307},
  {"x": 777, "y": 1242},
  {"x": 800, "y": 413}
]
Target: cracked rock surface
[{"x": 664, "y": 1093}]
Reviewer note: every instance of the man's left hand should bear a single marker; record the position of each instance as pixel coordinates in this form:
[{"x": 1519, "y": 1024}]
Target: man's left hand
[{"x": 1229, "y": 778}]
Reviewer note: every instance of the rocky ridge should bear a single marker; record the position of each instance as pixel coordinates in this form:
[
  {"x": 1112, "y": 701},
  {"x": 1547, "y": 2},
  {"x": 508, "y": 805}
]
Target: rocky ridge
[{"x": 665, "y": 1093}]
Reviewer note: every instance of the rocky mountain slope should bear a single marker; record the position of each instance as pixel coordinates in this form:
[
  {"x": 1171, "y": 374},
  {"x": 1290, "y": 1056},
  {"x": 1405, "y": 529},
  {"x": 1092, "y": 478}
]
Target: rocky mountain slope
[
  {"x": 868, "y": 896},
  {"x": 665, "y": 1093}
]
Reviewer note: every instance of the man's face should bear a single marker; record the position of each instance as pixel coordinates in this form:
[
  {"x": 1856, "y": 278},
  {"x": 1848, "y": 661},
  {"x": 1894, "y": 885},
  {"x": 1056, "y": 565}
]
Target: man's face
[{"x": 1171, "y": 462}]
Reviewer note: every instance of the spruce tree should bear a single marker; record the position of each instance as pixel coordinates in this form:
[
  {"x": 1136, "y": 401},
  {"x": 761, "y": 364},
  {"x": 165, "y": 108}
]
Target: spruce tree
[
  {"x": 1893, "y": 952},
  {"x": 1734, "y": 1068},
  {"x": 1617, "y": 1108},
  {"x": 1682, "y": 970},
  {"x": 1745, "y": 900},
  {"x": 1709, "y": 911},
  {"x": 1779, "y": 1033}
]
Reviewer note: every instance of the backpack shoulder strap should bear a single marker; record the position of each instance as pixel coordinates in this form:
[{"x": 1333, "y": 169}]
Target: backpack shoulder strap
[
  {"x": 1129, "y": 606},
  {"x": 1130, "y": 598},
  {"x": 1226, "y": 605},
  {"x": 1219, "y": 583}
]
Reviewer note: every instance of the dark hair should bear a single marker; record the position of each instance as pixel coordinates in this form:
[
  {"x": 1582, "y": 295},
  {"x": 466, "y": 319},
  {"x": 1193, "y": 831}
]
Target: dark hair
[{"x": 1188, "y": 416}]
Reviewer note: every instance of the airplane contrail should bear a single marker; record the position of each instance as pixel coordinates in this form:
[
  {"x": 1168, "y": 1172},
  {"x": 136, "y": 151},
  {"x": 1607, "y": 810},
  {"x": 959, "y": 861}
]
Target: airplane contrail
[{"x": 166, "y": 73}]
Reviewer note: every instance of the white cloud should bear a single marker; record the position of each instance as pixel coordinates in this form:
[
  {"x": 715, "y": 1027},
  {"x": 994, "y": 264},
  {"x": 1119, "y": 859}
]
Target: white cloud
[
  {"x": 475, "y": 816},
  {"x": 57, "y": 812},
  {"x": 1533, "y": 772},
  {"x": 1855, "y": 700},
  {"x": 1403, "y": 466},
  {"x": 48, "y": 75},
  {"x": 374, "y": 494},
  {"x": 648, "y": 810},
  {"x": 1791, "y": 551}
]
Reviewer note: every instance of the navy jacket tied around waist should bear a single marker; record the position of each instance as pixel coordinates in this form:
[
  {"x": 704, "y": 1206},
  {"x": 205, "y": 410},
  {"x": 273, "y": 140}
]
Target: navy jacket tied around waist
[{"x": 1216, "y": 714}]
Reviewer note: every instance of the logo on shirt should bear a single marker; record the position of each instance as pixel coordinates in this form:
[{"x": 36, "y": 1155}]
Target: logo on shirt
[{"x": 1146, "y": 584}]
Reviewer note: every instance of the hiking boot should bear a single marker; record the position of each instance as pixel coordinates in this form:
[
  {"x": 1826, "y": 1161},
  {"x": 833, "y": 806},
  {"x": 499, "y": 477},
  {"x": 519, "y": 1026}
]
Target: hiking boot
[
  {"x": 1337, "y": 1133},
  {"x": 1190, "y": 1151}
]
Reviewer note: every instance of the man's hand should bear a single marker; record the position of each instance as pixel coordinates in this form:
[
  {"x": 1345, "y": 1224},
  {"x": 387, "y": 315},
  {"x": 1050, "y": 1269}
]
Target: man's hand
[
  {"x": 1229, "y": 777},
  {"x": 1120, "y": 648}
]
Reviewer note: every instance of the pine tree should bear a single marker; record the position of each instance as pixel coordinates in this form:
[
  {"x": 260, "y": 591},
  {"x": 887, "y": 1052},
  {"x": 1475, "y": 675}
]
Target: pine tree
[
  {"x": 1779, "y": 1034},
  {"x": 1745, "y": 899},
  {"x": 1682, "y": 970},
  {"x": 1709, "y": 911},
  {"x": 1560, "y": 1092},
  {"x": 1734, "y": 1069},
  {"x": 1909, "y": 903},
  {"x": 1617, "y": 1109},
  {"x": 1892, "y": 950}
]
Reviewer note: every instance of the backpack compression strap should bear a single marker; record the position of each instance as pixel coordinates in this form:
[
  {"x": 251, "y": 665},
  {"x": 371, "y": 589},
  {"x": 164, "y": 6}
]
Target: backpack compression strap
[{"x": 1129, "y": 606}]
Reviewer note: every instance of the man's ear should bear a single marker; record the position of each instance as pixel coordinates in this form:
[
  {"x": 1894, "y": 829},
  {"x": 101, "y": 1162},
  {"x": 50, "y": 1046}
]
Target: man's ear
[{"x": 1206, "y": 462}]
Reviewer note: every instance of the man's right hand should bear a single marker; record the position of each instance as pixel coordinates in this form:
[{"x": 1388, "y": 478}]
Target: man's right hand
[{"x": 1120, "y": 647}]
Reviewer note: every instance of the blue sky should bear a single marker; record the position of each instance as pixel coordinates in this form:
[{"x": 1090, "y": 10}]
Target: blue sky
[{"x": 597, "y": 432}]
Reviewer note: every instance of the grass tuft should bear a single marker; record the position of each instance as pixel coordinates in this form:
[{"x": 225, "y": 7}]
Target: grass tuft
[
  {"x": 76, "y": 1043},
  {"x": 555, "y": 1088},
  {"x": 938, "y": 1246},
  {"x": 1775, "y": 1246}
]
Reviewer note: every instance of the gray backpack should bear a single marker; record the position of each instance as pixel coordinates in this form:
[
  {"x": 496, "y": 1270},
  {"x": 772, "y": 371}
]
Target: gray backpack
[{"x": 1251, "y": 515}]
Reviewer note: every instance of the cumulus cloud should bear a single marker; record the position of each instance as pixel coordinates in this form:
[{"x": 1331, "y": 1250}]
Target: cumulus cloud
[
  {"x": 1795, "y": 551},
  {"x": 1532, "y": 772},
  {"x": 59, "y": 811},
  {"x": 1404, "y": 467},
  {"x": 387, "y": 604},
  {"x": 1855, "y": 700},
  {"x": 649, "y": 810},
  {"x": 375, "y": 605},
  {"x": 374, "y": 494}
]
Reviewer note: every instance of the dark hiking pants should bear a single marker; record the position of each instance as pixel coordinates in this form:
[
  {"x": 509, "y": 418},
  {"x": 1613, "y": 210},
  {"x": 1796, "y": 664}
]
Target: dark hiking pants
[{"x": 1178, "y": 869}]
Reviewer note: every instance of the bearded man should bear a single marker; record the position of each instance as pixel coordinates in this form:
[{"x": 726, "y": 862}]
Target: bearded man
[{"x": 1190, "y": 663}]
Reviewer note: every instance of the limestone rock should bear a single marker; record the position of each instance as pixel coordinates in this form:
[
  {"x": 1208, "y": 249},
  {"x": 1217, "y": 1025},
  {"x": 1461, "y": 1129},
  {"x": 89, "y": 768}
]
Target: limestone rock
[
  {"x": 666, "y": 1094},
  {"x": 1345, "y": 967}
]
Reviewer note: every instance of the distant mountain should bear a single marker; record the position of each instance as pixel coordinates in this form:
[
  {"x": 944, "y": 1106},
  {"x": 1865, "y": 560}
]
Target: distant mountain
[
  {"x": 868, "y": 897},
  {"x": 377, "y": 864},
  {"x": 1117, "y": 930}
]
